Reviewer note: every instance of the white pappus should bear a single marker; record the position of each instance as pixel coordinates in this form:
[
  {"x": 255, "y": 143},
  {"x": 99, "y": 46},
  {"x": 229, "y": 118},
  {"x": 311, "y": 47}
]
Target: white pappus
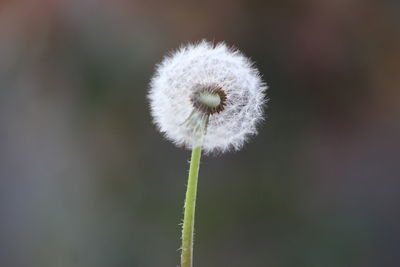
[{"x": 208, "y": 95}]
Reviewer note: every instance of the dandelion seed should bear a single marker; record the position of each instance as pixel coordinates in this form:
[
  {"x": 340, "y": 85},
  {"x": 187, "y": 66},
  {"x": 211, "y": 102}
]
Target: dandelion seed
[
  {"x": 206, "y": 82},
  {"x": 205, "y": 97}
]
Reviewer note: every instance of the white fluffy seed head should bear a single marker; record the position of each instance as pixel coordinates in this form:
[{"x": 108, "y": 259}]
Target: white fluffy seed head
[{"x": 216, "y": 75}]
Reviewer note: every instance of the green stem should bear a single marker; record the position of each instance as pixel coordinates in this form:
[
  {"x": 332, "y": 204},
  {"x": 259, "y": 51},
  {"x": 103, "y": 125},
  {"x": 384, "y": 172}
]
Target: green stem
[{"x": 190, "y": 206}]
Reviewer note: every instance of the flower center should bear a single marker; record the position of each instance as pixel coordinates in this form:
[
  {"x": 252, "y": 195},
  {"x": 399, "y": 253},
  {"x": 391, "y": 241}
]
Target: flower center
[{"x": 209, "y": 99}]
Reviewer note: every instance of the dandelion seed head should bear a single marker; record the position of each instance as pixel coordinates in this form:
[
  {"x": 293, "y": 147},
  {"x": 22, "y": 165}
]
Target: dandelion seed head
[{"x": 212, "y": 84}]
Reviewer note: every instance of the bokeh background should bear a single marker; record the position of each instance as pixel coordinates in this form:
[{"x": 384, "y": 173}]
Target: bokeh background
[{"x": 87, "y": 181}]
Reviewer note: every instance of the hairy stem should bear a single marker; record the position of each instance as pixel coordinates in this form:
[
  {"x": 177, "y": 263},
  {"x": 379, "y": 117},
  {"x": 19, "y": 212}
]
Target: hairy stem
[{"x": 190, "y": 206}]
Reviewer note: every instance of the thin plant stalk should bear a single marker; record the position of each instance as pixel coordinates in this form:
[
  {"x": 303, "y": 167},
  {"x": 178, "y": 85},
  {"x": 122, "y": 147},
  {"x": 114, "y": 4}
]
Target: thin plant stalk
[{"x": 190, "y": 207}]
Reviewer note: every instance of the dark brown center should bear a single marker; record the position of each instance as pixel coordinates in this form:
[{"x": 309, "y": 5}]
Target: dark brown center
[{"x": 209, "y": 99}]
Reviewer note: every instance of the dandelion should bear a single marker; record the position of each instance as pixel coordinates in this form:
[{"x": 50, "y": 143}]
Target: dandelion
[{"x": 205, "y": 97}]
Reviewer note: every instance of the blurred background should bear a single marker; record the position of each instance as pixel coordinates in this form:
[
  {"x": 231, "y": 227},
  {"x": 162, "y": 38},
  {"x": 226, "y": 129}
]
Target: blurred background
[{"x": 87, "y": 181}]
